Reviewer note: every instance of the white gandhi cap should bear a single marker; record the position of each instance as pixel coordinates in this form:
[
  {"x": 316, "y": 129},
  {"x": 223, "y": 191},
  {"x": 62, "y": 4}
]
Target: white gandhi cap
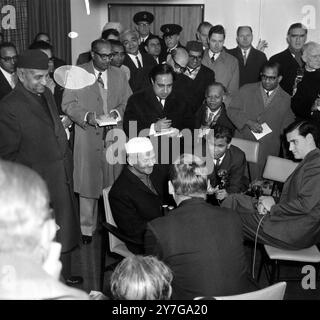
[{"x": 138, "y": 145}]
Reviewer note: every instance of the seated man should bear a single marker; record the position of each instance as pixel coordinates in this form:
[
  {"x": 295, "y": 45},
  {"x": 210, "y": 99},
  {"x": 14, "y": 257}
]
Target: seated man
[
  {"x": 202, "y": 244},
  {"x": 229, "y": 174},
  {"x": 29, "y": 257},
  {"x": 213, "y": 110},
  {"x": 294, "y": 222},
  {"x": 136, "y": 197},
  {"x": 141, "y": 278}
]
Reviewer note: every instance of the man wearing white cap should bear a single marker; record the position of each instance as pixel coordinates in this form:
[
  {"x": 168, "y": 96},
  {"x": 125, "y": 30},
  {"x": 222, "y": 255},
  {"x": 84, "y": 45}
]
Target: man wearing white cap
[{"x": 136, "y": 196}]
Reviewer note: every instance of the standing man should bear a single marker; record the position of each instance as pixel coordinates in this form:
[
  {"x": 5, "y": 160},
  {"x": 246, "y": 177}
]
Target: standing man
[
  {"x": 200, "y": 75},
  {"x": 250, "y": 59},
  {"x": 171, "y": 36},
  {"x": 306, "y": 102},
  {"x": 290, "y": 60},
  {"x": 202, "y": 244},
  {"x": 153, "y": 47},
  {"x": 8, "y": 64},
  {"x": 224, "y": 65},
  {"x": 107, "y": 96},
  {"x": 118, "y": 57},
  {"x": 202, "y": 33},
  {"x": 139, "y": 63},
  {"x": 32, "y": 134},
  {"x": 143, "y": 20},
  {"x": 259, "y": 103}
]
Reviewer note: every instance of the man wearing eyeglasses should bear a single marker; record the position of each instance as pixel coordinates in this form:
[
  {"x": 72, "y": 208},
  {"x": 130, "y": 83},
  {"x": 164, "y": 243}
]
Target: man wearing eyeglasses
[
  {"x": 200, "y": 75},
  {"x": 258, "y": 105},
  {"x": 8, "y": 64},
  {"x": 107, "y": 96},
  {"x": 139, "y": 63}
]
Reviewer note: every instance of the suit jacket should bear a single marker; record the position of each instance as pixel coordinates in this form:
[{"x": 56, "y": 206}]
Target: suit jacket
[
  {"x": 235, "y": 163},
  {"x": 204, "y": 77},
  {"x": 133, "y": 204},
  {"x": 34, "y": 137},
  {"x": 226, "y": 69},
  {"x": 139, "y": 77},
  {"x": 31, "y": 282},
  {"x": 202, "y": 245},
  {"x": 89, "y": 141},
  {"x": 144, "y": 108},
  {"x": 307, "y": 92},
  {"x": 296, "y": 218},
  {"x": 289, "y": 67},
  {"x": 249, "y": 104},
  {"x": 84, "y": 57},
  {"x": 5, "y": 87},
  {"x": 223, "y": 119},
  {"x": 249, "y": 72}
]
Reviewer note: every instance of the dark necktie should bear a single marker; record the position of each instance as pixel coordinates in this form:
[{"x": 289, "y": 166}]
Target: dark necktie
[
  {"x": 268, "y": 93},
  {"x": 100, "y": 81},
  {"x": 139, "y": 63},
  {"x": 212, "y": 58}
]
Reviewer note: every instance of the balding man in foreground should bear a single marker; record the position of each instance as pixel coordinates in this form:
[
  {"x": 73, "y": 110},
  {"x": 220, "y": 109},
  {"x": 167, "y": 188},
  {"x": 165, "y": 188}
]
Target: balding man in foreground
[{"x": 29, "y": 257}]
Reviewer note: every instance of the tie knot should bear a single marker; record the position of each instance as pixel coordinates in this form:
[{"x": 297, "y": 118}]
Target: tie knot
[{"x": 100, "y": 81}]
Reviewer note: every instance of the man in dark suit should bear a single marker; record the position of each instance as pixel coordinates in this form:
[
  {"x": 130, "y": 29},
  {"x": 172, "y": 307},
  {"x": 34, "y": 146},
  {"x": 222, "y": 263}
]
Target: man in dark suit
[
  {"x": 213, "y": 111},
  {"x": 153, "y": 46},
  {"x": 8, "y": 63},
  {"x": 250, "y": 59},
  {"x": 290, "y": 59},
  {"x": 143, "y": 20},
  {"x": 200, "y": 75},
  {"x": 139, "y": 63},
  {"x": 32, "y": 134},
  {"x": 158, "y": 107},
  {"x": 229, "y": 174},
  {"x": 136, "y": 197},
  {"x": 294, "y": 222},
  {"x": 202, "y": 244}
]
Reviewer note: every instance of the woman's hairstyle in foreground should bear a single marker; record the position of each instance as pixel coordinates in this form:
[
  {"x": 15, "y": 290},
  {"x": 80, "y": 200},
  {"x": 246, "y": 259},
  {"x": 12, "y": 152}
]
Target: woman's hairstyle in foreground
[{"x": 141, "y": 278}]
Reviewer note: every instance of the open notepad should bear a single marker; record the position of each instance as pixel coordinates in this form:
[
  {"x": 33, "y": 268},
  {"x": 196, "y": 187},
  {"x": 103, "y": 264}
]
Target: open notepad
[
  {"x": 265, "y": 130},
  {"x": 166, "y": 131}
]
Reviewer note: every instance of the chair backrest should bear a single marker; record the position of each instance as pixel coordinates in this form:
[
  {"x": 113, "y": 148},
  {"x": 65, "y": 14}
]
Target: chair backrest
[
  {"x": 278, "y": 169},
  {"x": 274, "y": 292},
  {"x": 250, "y": 148},
  {"x": 115, "y": 244}
]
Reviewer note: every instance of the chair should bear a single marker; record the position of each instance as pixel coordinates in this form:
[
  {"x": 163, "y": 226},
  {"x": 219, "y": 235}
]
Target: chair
[
  {"x": 250, "y": 148},
  {"x": 278, "y": 169},
  {"x": 116, "y": 238},
  {"x": 274, "y": 292}
]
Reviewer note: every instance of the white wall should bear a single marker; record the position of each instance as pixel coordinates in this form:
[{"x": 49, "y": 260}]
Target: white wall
[{"x": 269, "y": 19}]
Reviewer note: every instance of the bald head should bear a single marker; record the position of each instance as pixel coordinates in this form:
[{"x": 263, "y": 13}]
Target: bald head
[{"x": 179, "y": 60}]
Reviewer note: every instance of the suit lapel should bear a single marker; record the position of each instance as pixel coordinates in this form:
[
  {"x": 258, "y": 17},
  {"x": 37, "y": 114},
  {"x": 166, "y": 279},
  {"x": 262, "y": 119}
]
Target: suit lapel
[
  {"x": 137, "y": 182},
  {"x": 152, "y": 99}
]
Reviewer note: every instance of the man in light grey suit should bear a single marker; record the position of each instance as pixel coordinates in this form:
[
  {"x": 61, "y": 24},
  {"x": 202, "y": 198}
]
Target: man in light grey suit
[
  {"x": 259, "y": 103},
  {"x": 106, "y": 96},
  {"x": 224, "y": 65}
]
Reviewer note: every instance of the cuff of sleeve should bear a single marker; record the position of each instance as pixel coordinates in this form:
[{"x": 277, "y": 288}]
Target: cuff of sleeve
[
  {"x": 152, "y": 130},
  {"x": 118, "y": 114}
]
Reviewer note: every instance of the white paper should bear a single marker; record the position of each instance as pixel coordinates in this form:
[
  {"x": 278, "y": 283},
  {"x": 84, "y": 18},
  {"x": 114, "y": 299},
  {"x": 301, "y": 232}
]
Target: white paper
[
  {"x": 265, "y": 130},
  {"x": 166, "y": 131},
  {"x": 104, "y": 120}
]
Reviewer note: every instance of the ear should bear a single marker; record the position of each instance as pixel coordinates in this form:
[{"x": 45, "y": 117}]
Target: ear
[
  {"x": 20, "y": 75},
  {"x": 228, "y": 146},
  {"x": 310, "y": 138},
  {"x": 91, "y": 54},
  {"x": 280, "y": 78}
]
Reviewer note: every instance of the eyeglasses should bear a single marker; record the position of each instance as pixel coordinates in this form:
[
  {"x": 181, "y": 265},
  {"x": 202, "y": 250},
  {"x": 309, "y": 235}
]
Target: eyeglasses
[
  {"x": 177, "y": 66},
  {"x": 7, "y": 59},
  {"x": 271, "y": 78},
  {"x": 195, "y": 57},
  {"x": 104, "y": 56}
]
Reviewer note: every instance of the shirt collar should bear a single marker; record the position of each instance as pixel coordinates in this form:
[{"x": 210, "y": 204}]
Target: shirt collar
[
  {"x": 8, "y": 76},
  {"x": 221, "y": 159},
  {"x": 216, "y": 55}
]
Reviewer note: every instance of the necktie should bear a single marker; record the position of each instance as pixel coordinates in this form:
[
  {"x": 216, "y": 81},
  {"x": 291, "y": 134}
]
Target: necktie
[
  {"x": 218, "y": 163},
  {"x": 100, "y": 81},
  {"x": 212, "y": 58},
  {"x": 268, "y": 93},
  {"x": 139, "y": 63},
  {"x": 14, "y": 80},
  {"x": 244, "y": 57}
]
